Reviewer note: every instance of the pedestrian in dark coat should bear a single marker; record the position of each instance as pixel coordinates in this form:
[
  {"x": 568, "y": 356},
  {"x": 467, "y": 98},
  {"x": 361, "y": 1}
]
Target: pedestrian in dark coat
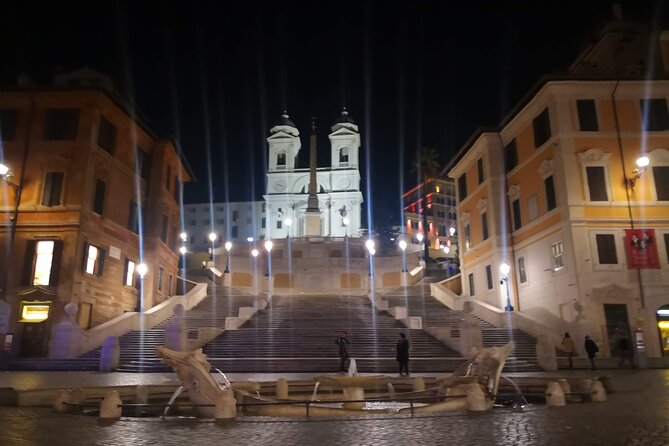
[
  {"x": 591, "y": 349},
  {"x": 343, "y": 343},
  {"x": 403, "y": 354}
]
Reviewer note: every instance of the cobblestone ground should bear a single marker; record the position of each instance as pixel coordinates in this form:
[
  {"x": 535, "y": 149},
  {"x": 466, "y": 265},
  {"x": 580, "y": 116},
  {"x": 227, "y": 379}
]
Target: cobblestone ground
[{"x": 636, "y": 414}]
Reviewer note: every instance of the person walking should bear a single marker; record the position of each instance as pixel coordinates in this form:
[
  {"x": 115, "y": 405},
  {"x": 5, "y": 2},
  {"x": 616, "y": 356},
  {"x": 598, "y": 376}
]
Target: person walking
[
  {"x": 591, "y": 349},
  {"x": 568, "y": 347},
  {"x": 343, "y": 343},
  {"x": 625, "y": 352},
  {"x": 403, "y": 354}
]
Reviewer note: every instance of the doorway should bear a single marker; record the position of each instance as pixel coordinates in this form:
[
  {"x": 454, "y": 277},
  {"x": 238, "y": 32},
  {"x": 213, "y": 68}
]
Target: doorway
[
  {"x": 617, "y": 325},
  {"x": 33, "y": 340}
]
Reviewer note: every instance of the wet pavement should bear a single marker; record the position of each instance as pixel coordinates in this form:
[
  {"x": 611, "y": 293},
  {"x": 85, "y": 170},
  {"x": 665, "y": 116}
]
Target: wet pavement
[{"x": 636, "y": 414}]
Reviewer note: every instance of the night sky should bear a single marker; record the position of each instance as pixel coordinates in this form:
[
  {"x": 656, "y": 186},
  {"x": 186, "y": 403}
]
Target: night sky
[{"x": 217, "y": 74}]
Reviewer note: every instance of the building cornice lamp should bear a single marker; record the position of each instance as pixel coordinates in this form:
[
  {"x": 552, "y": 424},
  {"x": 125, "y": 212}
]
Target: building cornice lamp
[
  {"x": 642, "y": 164},
  {"x": 504, "y": 270},
  {"x": 212, "y": 239},
  {"x": 403, "y": 247},
  {"x": 268, "y": 247},
  {"x": 228, "y": 248},
  {"x": 141, "y": 269}
]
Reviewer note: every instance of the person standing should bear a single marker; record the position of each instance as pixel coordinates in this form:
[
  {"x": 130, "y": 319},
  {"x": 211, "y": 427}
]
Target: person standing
[
  {"x": 403, "y": 354},
  {"x": 343, "y": 343},
  {"x": 591, "y": 349},
  {"x": 568, "y": 347}
]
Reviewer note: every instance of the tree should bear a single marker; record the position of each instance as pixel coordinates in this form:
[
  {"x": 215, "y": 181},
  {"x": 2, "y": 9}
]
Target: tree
[{"x": 427, "y": 167}]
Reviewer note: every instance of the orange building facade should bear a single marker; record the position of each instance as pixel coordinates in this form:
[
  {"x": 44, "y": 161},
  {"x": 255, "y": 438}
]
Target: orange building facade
[{"x": 95, "y": 194}]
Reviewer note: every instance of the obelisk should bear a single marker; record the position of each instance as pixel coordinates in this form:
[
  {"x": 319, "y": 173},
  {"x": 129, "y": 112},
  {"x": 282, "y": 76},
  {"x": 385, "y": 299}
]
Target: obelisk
[{"x": 313, "y": 214}]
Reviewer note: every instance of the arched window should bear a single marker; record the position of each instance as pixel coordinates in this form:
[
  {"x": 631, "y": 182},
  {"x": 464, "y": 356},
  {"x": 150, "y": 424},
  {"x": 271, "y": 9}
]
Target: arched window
[
  {"x": 343, "y": 156},
  {"x": 281, "y": 160}
]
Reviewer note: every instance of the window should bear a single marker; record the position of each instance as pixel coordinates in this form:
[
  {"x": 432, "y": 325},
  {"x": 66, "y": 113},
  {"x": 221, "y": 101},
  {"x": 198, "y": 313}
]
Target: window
[
  {"x": 281, "y": 159},
  {"x": 42, "y": 262},
  {"x": 169, "y": 284},
  {"x": 220, "y": 221},
  {"x": 557, "y": 251},
  {"x": 488, "y": 274},
  {"x": 107, "y": 136},
  {"x": 517, "y": 221},
  {"x": 542, "y": 128},
  {"x": 8, "y": 122},
  {"x": 168, "y": 177},
  {"x": 484, "y": 225},
  {"x": 510, "y": 156},
  {"x": 263, "y": 207},
  {"x": 522, "y": 272},
  {"x": 471, "y": 284},
  {"x": 442, "y": 230},
  {"x": 343, "y": 156},
  {"x": 221, "y": 208},
  {"x": 437, "y": 189},
  {"x": 159, "y": 278},
  {"x": 278, "y": 224},
  {"x": 53, "y": 187},
  {"x": 248, "y": 220},
  {"x": 597, "y": 183},
  {"x": 94, "y": 259},
  {"x": 264, "y": 222},
  {"x": 414, "y": 225},
  {"x": 99, "y": 197},
  {"x": 532, "y": 207},
  {"x": 61, "y": 124},
  {"x": 235, "y": 232},
  {"x": 661, "y": 177},
  {"x": 468, "y": 238},
  {"x": 235, "y": 216},
  {"x": 133, "y": 218},
  {"x": 143, "y": 163},
  {"x": 479, "y": 169},
  {"x": 462, "y": 186},
  {"x": 587, "y": 115},
  {"x": 163, "y": 229},
  {"x": 129, "y": 275},
  {"x": 551, "y": 201},
  {"x": 606, "y": 249},
  {"x": 654, "y": 114}
]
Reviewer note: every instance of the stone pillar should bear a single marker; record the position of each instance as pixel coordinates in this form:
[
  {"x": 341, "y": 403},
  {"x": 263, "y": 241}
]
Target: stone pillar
[
  {"x": 476, "y": 401},
  {"x": 282, "y": 388},
  {"x": 110, "y": 405},
  {"x": 227, "y": 279},
  {"x": 418, "y": 384},
  {"x": 555, "y": 395},
  {"x": 67, "y": 336},
  {"x": 598, "y": 392},
  {"x": 354, "y": 393},
  {"x": 546, "y": 357},
  {"x": 110, "y": 355},
  {"x": 226, "y": 406},
  {"x": 471, "y": 336},
  {"x": 176, "y": 332}
]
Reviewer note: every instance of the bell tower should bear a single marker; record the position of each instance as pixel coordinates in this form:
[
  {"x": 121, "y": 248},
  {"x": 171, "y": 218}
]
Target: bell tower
[{"x": 284, "y": 145}]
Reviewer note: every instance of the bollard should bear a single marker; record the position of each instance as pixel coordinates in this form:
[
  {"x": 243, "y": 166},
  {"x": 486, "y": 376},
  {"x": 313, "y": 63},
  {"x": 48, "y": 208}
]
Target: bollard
[
  {"x": 555, "y": 394},
  {"x": 282, "y": 388},
  {"x": 226, "y": 406},
  {"x": 60, "y": 403},
  {"x": 110, "y": 407},
  {"x": 476, "y": 401},
  {"x": 598, "y": 393},
  {"x": 586, "y": 390},
  {"x": 564, "y": 384},
  {"x": 418, "y": 384}
]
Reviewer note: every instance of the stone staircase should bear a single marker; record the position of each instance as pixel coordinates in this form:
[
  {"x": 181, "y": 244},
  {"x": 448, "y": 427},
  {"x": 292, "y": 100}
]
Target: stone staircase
[{"x": 419, "y": 302}]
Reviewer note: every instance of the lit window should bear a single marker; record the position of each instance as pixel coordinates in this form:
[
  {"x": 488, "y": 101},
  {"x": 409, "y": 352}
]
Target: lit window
[
  {"x": 129, "y": 272},
  {"x": 44, "y": 258},
  {"x": 437, "y": 189},
  {"x": 558, "y": 255},
  {"x": 91, "y": 259}
]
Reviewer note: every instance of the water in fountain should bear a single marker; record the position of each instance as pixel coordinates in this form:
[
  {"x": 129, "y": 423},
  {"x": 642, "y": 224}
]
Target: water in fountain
[
  {"x": 225, "y": 378},
  {"x": 315, "y": 392},
  {"x": 518, "y": 391},
  {"x": 391, "y": 390},
  {"x": 174, "y": 396},
  {"x": 353, "y": 367}
]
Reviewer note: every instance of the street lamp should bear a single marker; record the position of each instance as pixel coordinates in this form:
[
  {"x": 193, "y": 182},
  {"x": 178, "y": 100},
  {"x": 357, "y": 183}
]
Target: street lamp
[
  {"x": 254, "y": 253},
  {"x": 504, "y": 270},
  {"x": 183, "y": 250},
  {"x": 420, "y": 237},
  {"x": 228, "y": 247},
  {"x": 369, "y": 244},
  {"x": 451, "y": 231},
  {"x": 345, "y": 221},
  {"x": 212, "y": 238},
  {"x": 141, "y": 269},
  {"x": 183, "y": 236},
  {"x": 403, "y": 247},
  {"x": 289, "y": 223},
  {"x": 268, "y": 248}
]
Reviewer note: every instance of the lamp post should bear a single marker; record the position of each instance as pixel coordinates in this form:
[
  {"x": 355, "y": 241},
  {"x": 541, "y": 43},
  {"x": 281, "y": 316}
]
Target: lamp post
[
  {"x": 141, "y": 269},
  {"x": 345, "y": 221},
  {"x": 268, "y": 248},
  {"x": 255, "y": 253},
  {"x": 403, "y": 247},
  {"x": 212, "y": 238},
  {"x": 369, "y": 244},
  {"x": 228, "y": 247},
  {"x": 6, "y": 175},
  {"x": 289, "y": 223},
  {"x": 504, "y": 270},
  {"x": 419, "y": 237}
]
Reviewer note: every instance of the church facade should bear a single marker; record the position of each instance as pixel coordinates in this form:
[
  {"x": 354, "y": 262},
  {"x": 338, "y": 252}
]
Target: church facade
[{"x": 338, "y": 186}]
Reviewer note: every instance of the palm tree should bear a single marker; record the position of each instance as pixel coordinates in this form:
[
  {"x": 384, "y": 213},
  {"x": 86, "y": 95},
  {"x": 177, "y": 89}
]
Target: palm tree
[{"x": 427, "y": 167}]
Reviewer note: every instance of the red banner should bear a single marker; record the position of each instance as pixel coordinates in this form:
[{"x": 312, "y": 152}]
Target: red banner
[{"x": 641, "y": 248}]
